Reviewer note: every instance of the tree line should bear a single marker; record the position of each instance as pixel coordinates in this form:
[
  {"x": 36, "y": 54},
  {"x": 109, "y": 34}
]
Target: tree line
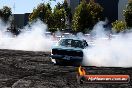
[
  {"x": 61, "y": 17},
  {"x": 54, "y": 18}
]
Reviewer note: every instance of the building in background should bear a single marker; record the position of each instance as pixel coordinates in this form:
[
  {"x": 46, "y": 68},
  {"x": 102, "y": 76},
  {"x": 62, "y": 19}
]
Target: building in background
[
  {"x": 73, "y": 4},
  {"x": 21, "y": 20},
  {"x": 110, "y": 9},
  {"x": 18, "y": 21},
  {"x": 121, "y": 6}
]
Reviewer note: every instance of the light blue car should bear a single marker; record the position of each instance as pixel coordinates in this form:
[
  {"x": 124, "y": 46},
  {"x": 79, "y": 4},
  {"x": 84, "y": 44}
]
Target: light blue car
[{"x": 68, "y": 51}]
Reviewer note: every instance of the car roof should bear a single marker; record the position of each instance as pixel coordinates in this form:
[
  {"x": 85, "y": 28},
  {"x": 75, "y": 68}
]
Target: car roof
[{"x": 74, "y": 39}]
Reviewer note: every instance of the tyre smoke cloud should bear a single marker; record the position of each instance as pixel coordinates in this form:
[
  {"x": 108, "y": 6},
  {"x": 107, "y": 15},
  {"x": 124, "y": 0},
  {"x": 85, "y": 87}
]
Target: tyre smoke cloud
[
  {"x": 103, "y": 50},
  {"x": 32, "y": 38},
  {"x": 109, "y": 52}
]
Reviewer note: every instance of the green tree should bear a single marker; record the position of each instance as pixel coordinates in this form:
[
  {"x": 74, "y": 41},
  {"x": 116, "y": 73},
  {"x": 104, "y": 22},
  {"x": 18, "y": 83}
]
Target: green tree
[
  {"x": 86, "y": 15},
  {"x": 119, "y": 26},
  {"x": 61, "y": 14},
  {"x": 128, "y": 14},
  {"x": 44, "y": 12},
  {"x": 59, "y": 18},
  {"x": 5, "y": 13}
]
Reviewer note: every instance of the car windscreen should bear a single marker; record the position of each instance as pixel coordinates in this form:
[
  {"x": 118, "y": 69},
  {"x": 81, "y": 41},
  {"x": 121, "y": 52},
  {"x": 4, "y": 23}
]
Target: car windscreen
[{"x": 71, "y": 43}]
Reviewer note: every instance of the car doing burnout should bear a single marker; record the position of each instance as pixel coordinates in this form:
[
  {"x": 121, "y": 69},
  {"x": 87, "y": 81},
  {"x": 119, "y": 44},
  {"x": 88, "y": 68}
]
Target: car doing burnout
[{"x": 68, "y": 51}]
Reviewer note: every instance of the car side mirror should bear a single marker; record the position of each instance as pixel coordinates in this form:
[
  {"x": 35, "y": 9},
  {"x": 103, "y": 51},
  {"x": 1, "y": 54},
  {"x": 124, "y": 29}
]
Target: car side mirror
[{"x": 85, "y": 45}]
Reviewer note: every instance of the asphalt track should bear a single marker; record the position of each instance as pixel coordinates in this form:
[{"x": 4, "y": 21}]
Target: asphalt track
[{"x": 28, "y": 69}]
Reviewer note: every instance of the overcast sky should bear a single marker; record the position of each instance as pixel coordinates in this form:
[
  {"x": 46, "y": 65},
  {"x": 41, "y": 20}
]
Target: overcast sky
[{"x": 25, "y": 6}]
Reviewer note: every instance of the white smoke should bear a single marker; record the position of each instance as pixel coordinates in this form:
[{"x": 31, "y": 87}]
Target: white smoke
[
  {"x": 32, "y": 38},
  {"x": 105, "y": 51},
  {"x": 111, "y": 52}
]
